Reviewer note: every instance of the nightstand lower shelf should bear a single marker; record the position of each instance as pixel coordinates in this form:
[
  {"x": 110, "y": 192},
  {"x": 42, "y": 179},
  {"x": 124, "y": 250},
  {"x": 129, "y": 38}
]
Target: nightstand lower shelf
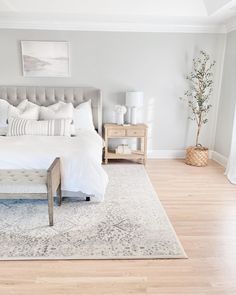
[{"x": 135, "y": 155}]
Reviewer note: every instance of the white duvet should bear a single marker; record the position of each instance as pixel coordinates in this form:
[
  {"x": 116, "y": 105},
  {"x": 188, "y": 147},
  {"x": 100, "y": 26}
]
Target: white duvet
[{"x": 81, "y": 158}]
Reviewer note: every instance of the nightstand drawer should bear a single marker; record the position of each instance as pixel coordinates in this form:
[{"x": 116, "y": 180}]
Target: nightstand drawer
[
  {"x": 116, "y": 132},
  {"x": 135, "y": 132}
]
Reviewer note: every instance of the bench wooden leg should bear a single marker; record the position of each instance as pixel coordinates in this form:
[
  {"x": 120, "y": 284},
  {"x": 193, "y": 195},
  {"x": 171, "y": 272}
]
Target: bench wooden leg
[
  {"x": 50, "y": 207},
  {"x": 59, "y": 194},
  {"x": 53, "y": 185}
]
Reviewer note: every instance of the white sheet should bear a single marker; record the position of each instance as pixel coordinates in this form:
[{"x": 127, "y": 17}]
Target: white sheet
[{"x": 81, "y": 158}]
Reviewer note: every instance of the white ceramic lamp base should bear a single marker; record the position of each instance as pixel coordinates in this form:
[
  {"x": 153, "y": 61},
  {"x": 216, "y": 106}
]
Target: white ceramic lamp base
[
  {"x": 128, "y": 115},
  {"x": 134, "y": 116}
]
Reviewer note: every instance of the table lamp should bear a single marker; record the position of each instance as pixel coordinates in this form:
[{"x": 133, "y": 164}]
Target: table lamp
[{"x": 133, "y": 101}]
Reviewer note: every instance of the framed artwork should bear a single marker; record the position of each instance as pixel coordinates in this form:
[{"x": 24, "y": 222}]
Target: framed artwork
[{"x": 45, "y": 58}]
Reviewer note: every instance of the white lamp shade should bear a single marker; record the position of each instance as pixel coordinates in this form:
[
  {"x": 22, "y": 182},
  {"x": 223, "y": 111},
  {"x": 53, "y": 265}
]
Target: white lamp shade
[{"x": 134, "y": 99}]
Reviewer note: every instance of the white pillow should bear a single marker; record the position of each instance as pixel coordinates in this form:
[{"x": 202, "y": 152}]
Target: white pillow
[
  {"x": 60, "y": 110},
  {"x": 25, "y": 110},
  {"x": 59, "y": 127},
  {"x": 83, "y": 117},
  {"x": 4, "y": 105},
  {"x": 3, "y": 131}
]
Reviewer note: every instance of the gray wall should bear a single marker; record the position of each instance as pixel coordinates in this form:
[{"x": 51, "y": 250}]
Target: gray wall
[
  {"x": 227, "y": 99},
  {"x": 155, "y": 63}
]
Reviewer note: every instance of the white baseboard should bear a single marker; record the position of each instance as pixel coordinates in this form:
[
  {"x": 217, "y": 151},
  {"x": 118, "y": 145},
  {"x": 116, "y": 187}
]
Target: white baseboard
[
  {"x": 220, "y": 159},
  {"x": 180, "y": 154},
  {"x": 166, "y": 154}
]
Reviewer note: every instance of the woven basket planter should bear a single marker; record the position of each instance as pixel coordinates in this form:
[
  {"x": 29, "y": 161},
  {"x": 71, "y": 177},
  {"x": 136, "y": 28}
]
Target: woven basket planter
[{"x": 197, "y": 156}]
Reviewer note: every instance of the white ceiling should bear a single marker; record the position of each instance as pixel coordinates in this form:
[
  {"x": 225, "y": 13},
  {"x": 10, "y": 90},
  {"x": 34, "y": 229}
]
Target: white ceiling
[
  {"x": 137, "y": 15},
  {"x": 134, "y": 7}
]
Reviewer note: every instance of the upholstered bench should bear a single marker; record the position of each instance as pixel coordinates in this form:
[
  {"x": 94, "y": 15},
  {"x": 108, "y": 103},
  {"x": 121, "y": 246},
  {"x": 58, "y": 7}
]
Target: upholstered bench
[{"x": 32, "y": 184}]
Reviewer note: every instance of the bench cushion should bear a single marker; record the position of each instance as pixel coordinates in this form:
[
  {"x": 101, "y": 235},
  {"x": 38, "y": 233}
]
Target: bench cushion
[{"x": 23, "y": 181}]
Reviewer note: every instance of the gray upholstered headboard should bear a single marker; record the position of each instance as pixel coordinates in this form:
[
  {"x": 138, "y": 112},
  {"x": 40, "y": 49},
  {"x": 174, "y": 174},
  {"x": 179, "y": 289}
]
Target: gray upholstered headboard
[{"x": 45, "y": 96}]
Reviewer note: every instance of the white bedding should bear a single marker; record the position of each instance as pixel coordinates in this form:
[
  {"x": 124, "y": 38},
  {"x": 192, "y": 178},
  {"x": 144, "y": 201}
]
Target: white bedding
[{"x": 81, "y": 158}]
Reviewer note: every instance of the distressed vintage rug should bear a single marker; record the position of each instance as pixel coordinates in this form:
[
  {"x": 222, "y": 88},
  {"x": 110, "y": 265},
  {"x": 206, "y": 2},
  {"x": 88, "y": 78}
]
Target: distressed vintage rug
[{"x": 130, "y": 224}]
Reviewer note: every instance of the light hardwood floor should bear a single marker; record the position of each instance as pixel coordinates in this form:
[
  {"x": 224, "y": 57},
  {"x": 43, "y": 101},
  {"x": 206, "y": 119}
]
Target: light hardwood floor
[{"x": 201, "y": 205}]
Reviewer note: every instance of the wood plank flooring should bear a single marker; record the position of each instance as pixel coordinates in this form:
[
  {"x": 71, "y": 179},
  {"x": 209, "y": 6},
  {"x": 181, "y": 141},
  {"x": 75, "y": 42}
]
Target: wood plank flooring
[{"x": 201, "y": 205}]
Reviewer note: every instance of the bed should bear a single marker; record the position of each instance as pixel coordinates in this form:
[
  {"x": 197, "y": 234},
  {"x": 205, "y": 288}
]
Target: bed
[{"x": 81, "y": 155}]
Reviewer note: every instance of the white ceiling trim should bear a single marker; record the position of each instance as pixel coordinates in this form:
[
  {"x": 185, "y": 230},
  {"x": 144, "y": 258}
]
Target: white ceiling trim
[{"x": 113, "y": 26}]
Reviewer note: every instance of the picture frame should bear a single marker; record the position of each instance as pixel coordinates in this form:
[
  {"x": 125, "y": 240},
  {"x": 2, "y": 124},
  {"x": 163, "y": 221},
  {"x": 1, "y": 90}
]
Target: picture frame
[{"x": 45, "y": 58}]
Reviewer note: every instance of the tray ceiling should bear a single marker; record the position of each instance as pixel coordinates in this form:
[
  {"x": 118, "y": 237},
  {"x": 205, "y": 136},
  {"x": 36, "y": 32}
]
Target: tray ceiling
[{"x": 133, "y": 15}]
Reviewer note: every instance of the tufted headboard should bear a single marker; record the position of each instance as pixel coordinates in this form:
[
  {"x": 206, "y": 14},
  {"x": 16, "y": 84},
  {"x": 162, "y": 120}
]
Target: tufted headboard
[{"x": 45, "y": 96}]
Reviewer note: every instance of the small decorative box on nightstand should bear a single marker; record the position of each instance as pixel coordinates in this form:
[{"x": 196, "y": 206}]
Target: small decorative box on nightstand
[{"x": 126, "y": 131}]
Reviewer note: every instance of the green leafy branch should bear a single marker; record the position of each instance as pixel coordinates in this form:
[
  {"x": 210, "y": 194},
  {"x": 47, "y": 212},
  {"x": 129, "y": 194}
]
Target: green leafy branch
[{"x": 200, "y": 90}]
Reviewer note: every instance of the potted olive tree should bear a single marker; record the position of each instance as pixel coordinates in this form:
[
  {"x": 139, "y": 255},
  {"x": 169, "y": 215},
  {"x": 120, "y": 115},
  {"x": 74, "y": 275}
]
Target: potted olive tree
[{"x": 200, "y": 90}]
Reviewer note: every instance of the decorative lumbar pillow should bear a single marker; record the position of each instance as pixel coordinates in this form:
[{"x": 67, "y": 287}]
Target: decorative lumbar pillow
[
  {"x": 58, "y": 127},
  {"x": 25, "y": 110},
  {"x": 60, "y": 110},
  {"x": 83, "y": 117}
]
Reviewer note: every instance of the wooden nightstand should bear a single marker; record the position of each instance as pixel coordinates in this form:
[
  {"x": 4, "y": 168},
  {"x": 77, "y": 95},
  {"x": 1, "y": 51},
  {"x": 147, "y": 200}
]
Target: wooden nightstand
[{"x": 126, "y": 131}]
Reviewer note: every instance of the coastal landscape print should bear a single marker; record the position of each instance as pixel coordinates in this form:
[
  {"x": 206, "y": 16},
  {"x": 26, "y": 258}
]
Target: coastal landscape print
[{"x": 45, "y": 58}]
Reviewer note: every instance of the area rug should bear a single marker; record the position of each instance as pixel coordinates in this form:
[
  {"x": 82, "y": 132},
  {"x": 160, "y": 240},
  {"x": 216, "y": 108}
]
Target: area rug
[{"x": 130, "y": 224}]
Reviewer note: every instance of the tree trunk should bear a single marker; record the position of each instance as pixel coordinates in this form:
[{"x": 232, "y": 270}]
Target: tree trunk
[{"x": 198, "y": 132}]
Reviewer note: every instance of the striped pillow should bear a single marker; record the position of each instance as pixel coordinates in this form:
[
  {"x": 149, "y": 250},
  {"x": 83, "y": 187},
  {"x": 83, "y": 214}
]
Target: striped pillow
[{"x": 58, "y": 127}]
